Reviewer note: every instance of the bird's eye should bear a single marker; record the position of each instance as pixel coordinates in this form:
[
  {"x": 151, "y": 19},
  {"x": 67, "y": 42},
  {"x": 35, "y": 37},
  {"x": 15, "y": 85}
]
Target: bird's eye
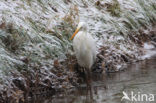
[{"x": 81, "y": 28}]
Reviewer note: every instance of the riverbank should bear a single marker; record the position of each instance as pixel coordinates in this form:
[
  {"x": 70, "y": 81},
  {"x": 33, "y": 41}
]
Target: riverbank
[
  {"x": 139, "y": 78},
  {"x": 36, "y": 55}
]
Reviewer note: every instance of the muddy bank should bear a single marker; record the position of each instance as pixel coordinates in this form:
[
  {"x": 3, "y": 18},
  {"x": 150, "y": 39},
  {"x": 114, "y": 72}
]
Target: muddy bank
[
  {"x": 113, "y": 60},
  {"x": 139, "y": 77}
]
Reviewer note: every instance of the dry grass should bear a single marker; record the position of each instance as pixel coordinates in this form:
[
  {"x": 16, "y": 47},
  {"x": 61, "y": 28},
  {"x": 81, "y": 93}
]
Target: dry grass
[{"x": 72, "y": 18}]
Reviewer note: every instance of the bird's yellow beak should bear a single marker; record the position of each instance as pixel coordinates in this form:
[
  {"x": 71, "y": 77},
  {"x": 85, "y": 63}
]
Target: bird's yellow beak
[{"x": 77, "y": 30}]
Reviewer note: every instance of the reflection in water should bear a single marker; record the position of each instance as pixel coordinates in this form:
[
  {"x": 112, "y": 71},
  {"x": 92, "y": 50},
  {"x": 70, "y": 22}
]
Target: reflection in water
[{"x": 108, "y": 88}]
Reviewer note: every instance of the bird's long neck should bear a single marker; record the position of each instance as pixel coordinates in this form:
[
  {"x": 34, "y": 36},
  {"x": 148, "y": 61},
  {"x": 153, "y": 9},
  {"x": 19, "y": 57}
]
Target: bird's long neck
[{"x": 84, "y": 31}]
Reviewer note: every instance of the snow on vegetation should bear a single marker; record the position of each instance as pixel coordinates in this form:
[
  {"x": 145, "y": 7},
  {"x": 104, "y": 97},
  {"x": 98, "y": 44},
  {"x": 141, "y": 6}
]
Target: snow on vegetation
[{"x": 34, "y": 35}]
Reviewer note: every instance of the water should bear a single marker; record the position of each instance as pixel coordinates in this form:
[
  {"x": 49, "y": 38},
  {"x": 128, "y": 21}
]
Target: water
[{"x": 139, "y": 78}]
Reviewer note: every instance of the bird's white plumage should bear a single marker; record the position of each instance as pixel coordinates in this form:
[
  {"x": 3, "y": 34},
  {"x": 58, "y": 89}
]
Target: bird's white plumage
[{"x": 84, "y": 47}]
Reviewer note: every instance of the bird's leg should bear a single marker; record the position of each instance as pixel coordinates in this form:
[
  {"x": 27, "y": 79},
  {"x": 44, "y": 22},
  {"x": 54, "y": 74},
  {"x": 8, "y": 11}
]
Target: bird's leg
[
  {"x": 86, "y": 76},
  {"x": 89, "y": 85},
  {"x": 89, "y": 79}
]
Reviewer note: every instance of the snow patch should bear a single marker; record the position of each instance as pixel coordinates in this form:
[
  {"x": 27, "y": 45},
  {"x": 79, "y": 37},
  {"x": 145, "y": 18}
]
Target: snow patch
[
  {"x": 148, "y": 46},
  {"x": 148, "y": 54}
]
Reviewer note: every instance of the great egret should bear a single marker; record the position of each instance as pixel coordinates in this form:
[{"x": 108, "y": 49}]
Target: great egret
[{"x": 84, "y": 47}]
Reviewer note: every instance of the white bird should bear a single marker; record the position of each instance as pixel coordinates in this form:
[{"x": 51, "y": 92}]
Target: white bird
[{"x": 84, "y": 46}]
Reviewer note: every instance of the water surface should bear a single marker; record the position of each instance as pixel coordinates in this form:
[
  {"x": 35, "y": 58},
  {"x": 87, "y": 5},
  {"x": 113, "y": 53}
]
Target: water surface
[{"x": 139, "y": 78}]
